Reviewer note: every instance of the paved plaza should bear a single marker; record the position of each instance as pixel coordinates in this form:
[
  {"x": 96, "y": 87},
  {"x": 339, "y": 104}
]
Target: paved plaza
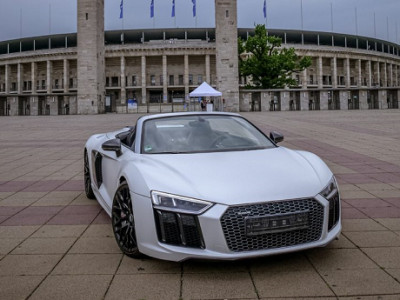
[{"x": 56, "y": 244}]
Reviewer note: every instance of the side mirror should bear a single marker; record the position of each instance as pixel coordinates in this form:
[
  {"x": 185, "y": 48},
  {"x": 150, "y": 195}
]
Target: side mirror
[
  {"x": 112, "y": 145},
  {"x": 276, "y": 137}
]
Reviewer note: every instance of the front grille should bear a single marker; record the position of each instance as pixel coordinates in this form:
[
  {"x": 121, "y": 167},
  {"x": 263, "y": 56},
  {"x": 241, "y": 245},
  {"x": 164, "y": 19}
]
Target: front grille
[
  {"x": 233, "y": 225},
  {"x": 178, "y": 229},
  {"x": 334, "y": 211}
]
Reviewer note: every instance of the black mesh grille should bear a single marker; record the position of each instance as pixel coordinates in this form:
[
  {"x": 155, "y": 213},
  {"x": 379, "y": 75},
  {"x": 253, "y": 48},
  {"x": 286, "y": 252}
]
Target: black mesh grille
[
  {"x": 178, "y": 229},
  {"x": 234, "y": 219},
  {"x": 334, "y": 211},
  {"x": 99, "y": 169}
]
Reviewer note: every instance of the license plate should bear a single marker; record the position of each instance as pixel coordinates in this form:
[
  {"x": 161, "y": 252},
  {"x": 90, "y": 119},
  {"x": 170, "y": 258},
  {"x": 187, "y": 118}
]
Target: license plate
[{"x": 276, "y": 223}]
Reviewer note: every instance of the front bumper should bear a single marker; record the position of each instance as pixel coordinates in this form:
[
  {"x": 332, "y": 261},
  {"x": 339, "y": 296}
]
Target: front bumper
[{"x": 215, "y": 241}]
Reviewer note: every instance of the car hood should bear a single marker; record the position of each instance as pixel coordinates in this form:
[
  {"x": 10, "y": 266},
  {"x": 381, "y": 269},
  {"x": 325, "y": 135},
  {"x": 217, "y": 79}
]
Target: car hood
[{"x": 238, "y": 177}]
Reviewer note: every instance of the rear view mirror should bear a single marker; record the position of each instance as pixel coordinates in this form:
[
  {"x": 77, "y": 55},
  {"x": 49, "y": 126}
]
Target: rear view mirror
[
  {"x": 112, "y": 145},
  {"x": 276, "y": 137}
]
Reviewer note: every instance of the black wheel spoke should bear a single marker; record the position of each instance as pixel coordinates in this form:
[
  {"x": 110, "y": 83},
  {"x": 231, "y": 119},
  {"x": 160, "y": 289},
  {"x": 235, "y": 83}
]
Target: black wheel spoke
[{"x": 123, "y": 221}]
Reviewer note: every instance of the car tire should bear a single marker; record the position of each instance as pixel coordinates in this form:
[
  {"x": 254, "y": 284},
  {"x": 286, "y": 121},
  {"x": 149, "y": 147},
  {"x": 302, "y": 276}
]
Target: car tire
[
  {"x": 87, "y": 180},
  {"x": 123, "y": 222}
]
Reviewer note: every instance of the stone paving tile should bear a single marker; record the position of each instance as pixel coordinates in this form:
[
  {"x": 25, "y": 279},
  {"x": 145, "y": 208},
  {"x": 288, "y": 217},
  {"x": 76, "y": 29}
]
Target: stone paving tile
[
  {"x": 87, "y": 264},
  {"x": 353, "y": 213},
  {"x": 95, "y": 245},
  {"x": 341, "y": 243},
  {"x": 373, "y": 202},
  {"x": 130, "y": 266},
  {"x": 374, "y": 238},
  {"x": 57, "y": 198},
  {"x": 28, "y": 264},
  {"x": 22, "y": 199},
  {"x": 99, "y": 230},
  {"x": 395, "y": 273},
  {"x": 162, "y": 286},
  {"x": 59, "y": 231},
  {"x": 7, "y": 245},
  {"x": 381, "y": 212},
  {"x": 10, "y": 210},
  {"x": 360, "y": 282},
  {"x": 361, "y": 225},
  {"x": 18, "y": 287},
  {"x": 73, "y": 287},
  {"x": 380, "y": 297},
  {"x": 44, "y": 246},
  {"x": 280, "y": 263},
  {"x": 387, "y": 258},
  {"x": 290, "y": 284},
  {"x": 391, "y": 223},
  {"x": 340, "y": 259},
  {"x": 217, "y": 286}
]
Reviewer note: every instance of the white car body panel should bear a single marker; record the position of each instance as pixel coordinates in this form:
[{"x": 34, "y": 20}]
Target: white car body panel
[{"x": 222, "y": 178}]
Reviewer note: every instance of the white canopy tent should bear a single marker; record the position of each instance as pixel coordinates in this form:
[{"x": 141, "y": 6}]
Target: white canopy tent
[{"x": 205, "y": 90}]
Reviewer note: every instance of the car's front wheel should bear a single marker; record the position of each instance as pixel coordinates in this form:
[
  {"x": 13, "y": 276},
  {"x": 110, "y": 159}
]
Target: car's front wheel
[
  {"x": 123, "y": 222},
  {"x": 86, "y": 175}
]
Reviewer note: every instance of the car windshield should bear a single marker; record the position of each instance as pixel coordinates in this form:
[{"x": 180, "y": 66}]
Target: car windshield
[{"x": 201, "y": 133}]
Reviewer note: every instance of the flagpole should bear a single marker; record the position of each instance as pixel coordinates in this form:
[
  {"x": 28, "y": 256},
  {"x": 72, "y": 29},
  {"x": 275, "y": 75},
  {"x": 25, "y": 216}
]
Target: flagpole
[
  {"x": 355, "y": 10},
  {"x": 374, "y": 25},
  {"x": 49, "y": 18},
  {"x": 387, "y": 25},
  {"x": 20, "y": 22},
  {"x": 301, "y": 13},
  {"x": 331, "y": 16}
]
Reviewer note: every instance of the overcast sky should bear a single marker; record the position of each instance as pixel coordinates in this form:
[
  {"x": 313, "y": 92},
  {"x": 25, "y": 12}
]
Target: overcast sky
[{"x": 23, "y": 18}]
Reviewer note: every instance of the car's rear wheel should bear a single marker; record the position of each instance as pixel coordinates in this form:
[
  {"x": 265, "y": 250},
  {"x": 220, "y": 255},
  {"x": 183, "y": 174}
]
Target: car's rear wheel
[
  {"x": 87, "y": 181},
  {"x": 123, "y": 222}
]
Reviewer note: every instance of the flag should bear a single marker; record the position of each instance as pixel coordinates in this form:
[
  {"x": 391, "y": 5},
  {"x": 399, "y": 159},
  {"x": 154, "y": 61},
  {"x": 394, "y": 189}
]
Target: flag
[
  {"x": 265, "y": 9},
  {"x": 152, "y": 9},
  {"x": 121, "y": 7},
  {"x": 173, "y": 9},
  {"x": 194, "y": 7}
]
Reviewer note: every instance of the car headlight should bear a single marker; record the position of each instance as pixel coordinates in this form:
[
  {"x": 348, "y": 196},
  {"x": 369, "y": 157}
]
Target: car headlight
[
  {"x": 169, "y": 202},
  {"x": 330, "y": 190}
]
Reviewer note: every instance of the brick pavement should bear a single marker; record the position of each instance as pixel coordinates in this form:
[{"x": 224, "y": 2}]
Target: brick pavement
[{"x": 56, "y": 244}]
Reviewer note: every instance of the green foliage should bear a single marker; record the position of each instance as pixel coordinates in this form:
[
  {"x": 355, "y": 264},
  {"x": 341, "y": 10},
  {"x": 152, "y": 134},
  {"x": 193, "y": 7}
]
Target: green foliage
[{"x": 269, "y": 65}]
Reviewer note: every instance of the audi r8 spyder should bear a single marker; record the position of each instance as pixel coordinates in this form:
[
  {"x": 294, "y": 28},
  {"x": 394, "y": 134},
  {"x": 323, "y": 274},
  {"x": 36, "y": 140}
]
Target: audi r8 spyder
[{"x": 211, "y": 186}]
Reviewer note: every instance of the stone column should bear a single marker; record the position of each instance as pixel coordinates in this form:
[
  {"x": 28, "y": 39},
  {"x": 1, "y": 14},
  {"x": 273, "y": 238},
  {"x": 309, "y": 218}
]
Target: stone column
[
  {"x": 334, "y": 72},
  {"x": 91, "y": 57},
  {"x": 266, "y": 98},
  {"x": 304, "y": 79},
  {"x": 377, "y": 75},
  {"x": 360, "y": 78},
  {"x": 7, "y": 79},
  {"x": 33, "y": 77},
  {"x": 144, "y": 81},
  {"x": 227, "y": 61},
  {"x": 245, "y": 99},
  {"x": 186, "y": 75},
  {"x": 385, "y": 77},
  {"x": 348, "y": 75},
  {"x": 121, "y": 108},
  {"x": 320, "y": 72},
  {"x": 369, "y": 73},
  {"x": 344, "y": 100},
  {"x": 165, "y": 79},
  {"x": 49, "y": 77},
  {"x": 34, "y": 105},
  {"x": 208, "y": 69},
  {"x": 53, "y": 102},
  {"x": 382, "y": 96},
  {"x": 363, "y": 100},
  {"x": 20, "y": 72},
  {"x": 66, "y": 75},
  {"x": 285, "y": 99},
  {"x": 323, "y": 98},
  {"x": 304, "y": 100},
  {"x": 14, "y": 105},
  {"x": 390, "y": 75}
]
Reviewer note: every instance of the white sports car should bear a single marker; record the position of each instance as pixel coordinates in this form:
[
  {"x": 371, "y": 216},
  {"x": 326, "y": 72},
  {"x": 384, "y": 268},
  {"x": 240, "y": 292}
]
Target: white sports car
[{"x": 211, "y": 186}]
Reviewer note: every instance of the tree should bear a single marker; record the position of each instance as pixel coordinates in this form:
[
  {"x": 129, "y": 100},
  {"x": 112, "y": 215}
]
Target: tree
[{"x": 267, "y": 63}]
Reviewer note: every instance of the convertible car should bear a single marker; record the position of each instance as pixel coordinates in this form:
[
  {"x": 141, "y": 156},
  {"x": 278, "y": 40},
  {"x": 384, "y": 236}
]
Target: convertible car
[{"x": 211, "y": 186}]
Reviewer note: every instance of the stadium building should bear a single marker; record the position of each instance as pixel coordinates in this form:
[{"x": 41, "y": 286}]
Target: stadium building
[{"x": 93, "y": 71}]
